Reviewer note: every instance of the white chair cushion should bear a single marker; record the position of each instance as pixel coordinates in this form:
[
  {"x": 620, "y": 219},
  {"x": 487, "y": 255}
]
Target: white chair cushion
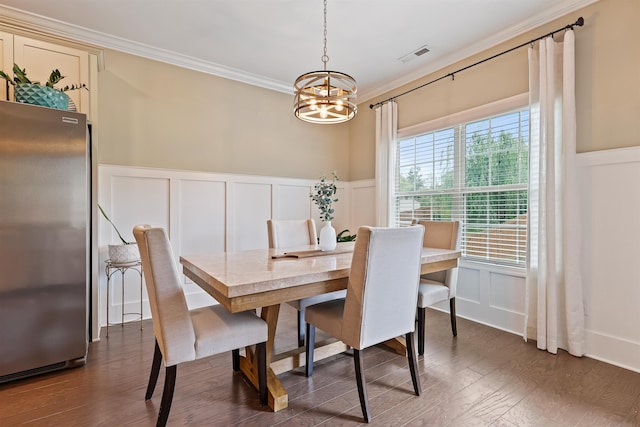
[
  {"x": 218, "y": 331},
  {"x": 431, "y": 292},
  {"x": 317, "y": 299}
]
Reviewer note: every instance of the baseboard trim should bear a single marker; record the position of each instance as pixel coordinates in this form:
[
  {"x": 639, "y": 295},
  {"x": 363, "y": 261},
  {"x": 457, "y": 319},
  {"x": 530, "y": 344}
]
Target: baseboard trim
[{"x": 613, "y": 350}]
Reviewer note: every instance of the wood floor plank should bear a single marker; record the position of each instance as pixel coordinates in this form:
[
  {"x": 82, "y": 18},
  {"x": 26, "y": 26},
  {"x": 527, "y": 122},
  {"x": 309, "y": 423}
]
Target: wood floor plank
[{"x": 483, "y": 377}]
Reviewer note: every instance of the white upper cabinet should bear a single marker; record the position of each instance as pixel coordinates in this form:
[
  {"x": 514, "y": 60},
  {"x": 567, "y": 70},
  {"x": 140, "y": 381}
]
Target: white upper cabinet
[
  {"x": 39, "y": 58},
  {"x": 6, "y": 63}
]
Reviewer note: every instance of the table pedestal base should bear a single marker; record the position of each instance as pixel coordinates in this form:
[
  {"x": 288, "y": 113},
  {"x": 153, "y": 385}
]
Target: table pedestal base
[{"x": 278, "y": 398}]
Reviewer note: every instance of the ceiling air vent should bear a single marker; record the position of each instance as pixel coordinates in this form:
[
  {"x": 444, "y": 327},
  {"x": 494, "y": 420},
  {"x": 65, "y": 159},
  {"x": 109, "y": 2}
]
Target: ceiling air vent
[{"x": 418, "y": 52}]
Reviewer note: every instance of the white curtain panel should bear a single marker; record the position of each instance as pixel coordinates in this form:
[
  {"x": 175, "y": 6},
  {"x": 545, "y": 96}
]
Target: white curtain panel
[
  {"x": 386, "y": 138},
  {"x": 554, "y": 309}
]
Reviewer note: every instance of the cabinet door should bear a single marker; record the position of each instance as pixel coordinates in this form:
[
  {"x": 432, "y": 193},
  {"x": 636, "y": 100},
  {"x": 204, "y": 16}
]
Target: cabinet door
[
  {"x": 6, "y": 64},
  {"x": 39, "y": 58}
]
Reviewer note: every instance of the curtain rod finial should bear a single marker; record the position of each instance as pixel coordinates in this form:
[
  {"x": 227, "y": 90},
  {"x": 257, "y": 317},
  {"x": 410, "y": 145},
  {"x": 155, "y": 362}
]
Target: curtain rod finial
[{"x": 580, "y": 22}]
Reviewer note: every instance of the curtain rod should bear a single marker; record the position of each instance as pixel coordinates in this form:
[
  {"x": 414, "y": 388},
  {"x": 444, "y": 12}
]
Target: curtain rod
[{"x": 579, "y": 23}]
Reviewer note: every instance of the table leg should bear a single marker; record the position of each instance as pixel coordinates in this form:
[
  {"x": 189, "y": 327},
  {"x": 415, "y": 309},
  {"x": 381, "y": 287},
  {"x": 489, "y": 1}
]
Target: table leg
[
  {"x": 122, "y": 300},
  {"x": 108, "y": 301},
  {"x": 397, "y": 345},
  {"x": 140, "y": 297},
  {"x": 277, "y": 395},
  {"x": 277, "y": 364},
  {"x": 270, "y": 315}
]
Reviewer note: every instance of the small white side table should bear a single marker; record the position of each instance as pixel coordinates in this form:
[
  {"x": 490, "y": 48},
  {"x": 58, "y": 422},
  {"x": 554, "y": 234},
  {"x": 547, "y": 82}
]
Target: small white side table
[{"x": 110, "y": 270}]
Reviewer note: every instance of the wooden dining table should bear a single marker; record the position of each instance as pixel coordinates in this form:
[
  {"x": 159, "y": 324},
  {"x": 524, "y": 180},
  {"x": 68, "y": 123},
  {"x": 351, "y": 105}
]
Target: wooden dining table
[{"x": 265, "y": 278}]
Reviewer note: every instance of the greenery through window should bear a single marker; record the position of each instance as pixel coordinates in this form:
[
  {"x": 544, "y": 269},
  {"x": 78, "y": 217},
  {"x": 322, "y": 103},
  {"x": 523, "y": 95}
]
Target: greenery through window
[{"x": 475, "y": 172}]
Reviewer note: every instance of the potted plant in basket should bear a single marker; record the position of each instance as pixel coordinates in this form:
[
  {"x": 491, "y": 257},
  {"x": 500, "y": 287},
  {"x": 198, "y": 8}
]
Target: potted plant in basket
[
  {"x": 47, "y": 95},
  {"x": 323, "y": 195},
  {"x": 125, "y": 253}
]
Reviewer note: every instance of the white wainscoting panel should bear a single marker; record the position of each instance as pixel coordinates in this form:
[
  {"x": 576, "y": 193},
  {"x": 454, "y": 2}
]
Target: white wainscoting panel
[
  {"x": 201, "y": 224},
  {"x": 507, "y": 292},
  {"x": 134, "y": 199},
  {"x": 201, "y": 216},
  {"x": 130, "y": 200},
  {"x": 250, "y": 207},
  {"x": 363, "y": 207},
  {"x": 610, "y": 198},
  {"x": 490, "y": 294},
  {"x": 469, "y": 284},
  {"x": 292, "y": 202}
]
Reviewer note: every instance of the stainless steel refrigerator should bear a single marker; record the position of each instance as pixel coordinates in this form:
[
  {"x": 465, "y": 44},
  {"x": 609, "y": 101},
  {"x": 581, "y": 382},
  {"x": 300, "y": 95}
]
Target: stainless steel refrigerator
[{"x": 45, "y": 219}]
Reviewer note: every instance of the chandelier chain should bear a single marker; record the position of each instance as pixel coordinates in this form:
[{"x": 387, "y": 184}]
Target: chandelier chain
[{"x": 325, "y": 58}]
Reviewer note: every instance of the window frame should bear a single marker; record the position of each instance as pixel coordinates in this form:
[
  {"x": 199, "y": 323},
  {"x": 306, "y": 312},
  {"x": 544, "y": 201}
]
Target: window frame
[{"x": 503, "y": 106}]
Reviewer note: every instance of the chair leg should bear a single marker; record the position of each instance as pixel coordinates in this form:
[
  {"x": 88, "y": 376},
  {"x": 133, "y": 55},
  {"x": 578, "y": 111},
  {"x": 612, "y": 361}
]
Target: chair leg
[
  {"x": 362, "y": 388},
  {"x": 167, "y": 395},
  {"x": 309, "y": 347},
  {"x": 421, "y": 319},
  {"x": 235, "y": 359},
  {"x": 155, "y": 370},
  {"x": 452, "y": 311},
  {"x": 413, "y": 363},
  {"x": 301, "y": 327},
  {"x": 261, "y": 354}
]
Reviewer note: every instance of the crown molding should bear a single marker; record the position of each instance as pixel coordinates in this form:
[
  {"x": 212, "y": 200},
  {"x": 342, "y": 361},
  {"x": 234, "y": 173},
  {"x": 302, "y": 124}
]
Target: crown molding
[{"x": 43, "y": 26}]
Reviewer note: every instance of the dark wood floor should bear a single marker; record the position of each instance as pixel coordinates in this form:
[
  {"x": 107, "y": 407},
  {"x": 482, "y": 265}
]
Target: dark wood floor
[{"x": 483, "y": 377}]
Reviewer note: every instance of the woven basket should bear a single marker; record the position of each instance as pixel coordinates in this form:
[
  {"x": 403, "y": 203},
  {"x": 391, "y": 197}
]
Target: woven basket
[{"x": 41, "y": 95}]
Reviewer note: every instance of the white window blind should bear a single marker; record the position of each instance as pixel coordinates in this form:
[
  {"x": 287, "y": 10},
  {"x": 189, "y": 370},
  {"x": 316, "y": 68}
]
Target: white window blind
[{"x": 475, "y": 172}]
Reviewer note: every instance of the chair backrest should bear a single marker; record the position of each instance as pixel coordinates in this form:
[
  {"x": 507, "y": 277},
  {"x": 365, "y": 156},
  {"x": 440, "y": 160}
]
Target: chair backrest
[
  {"x": 382, "y": 292},
  {"x": 289, "y": 233},
  {"x": 172, "y": 324},
  {"x": 443, "y": 235}
]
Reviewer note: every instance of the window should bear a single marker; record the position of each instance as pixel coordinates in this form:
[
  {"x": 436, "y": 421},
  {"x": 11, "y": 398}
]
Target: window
[{"x": 475, "y": 171}]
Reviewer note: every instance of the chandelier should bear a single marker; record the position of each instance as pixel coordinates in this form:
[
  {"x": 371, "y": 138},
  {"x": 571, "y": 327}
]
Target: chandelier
[{"x": 325, "y": 97}]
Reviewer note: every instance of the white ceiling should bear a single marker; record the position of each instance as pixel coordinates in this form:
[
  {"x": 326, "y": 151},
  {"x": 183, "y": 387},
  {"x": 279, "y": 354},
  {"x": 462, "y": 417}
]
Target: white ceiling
[{"x": 271, "y": 42}]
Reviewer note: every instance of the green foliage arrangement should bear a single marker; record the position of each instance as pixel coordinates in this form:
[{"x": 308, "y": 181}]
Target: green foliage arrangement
[
  {"x": 124, "y": 242},
  {"x": 341, "y": 237},
  {"x": 323, "y": 196},
  {"x": 20, "y": 77}
]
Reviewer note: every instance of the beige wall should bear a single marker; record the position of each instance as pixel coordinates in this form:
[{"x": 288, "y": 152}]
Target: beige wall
[
  {"x": 607, "y": 84},
  {"x": 157, "y": 115}
]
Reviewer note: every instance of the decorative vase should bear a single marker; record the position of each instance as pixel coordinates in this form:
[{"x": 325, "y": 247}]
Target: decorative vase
[
  {"x": 124, "y": 254},
  {"x": 328, "y": 240},
  {"x": 41, "y": 95}
]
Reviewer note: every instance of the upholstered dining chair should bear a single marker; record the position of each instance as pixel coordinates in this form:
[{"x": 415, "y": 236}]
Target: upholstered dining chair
[
  {"x": 183, "y": 335},
  {"x": 440, "y": 286},
  {"x": 291, "y": 233},
  {"x": 382, "y": 293}
]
